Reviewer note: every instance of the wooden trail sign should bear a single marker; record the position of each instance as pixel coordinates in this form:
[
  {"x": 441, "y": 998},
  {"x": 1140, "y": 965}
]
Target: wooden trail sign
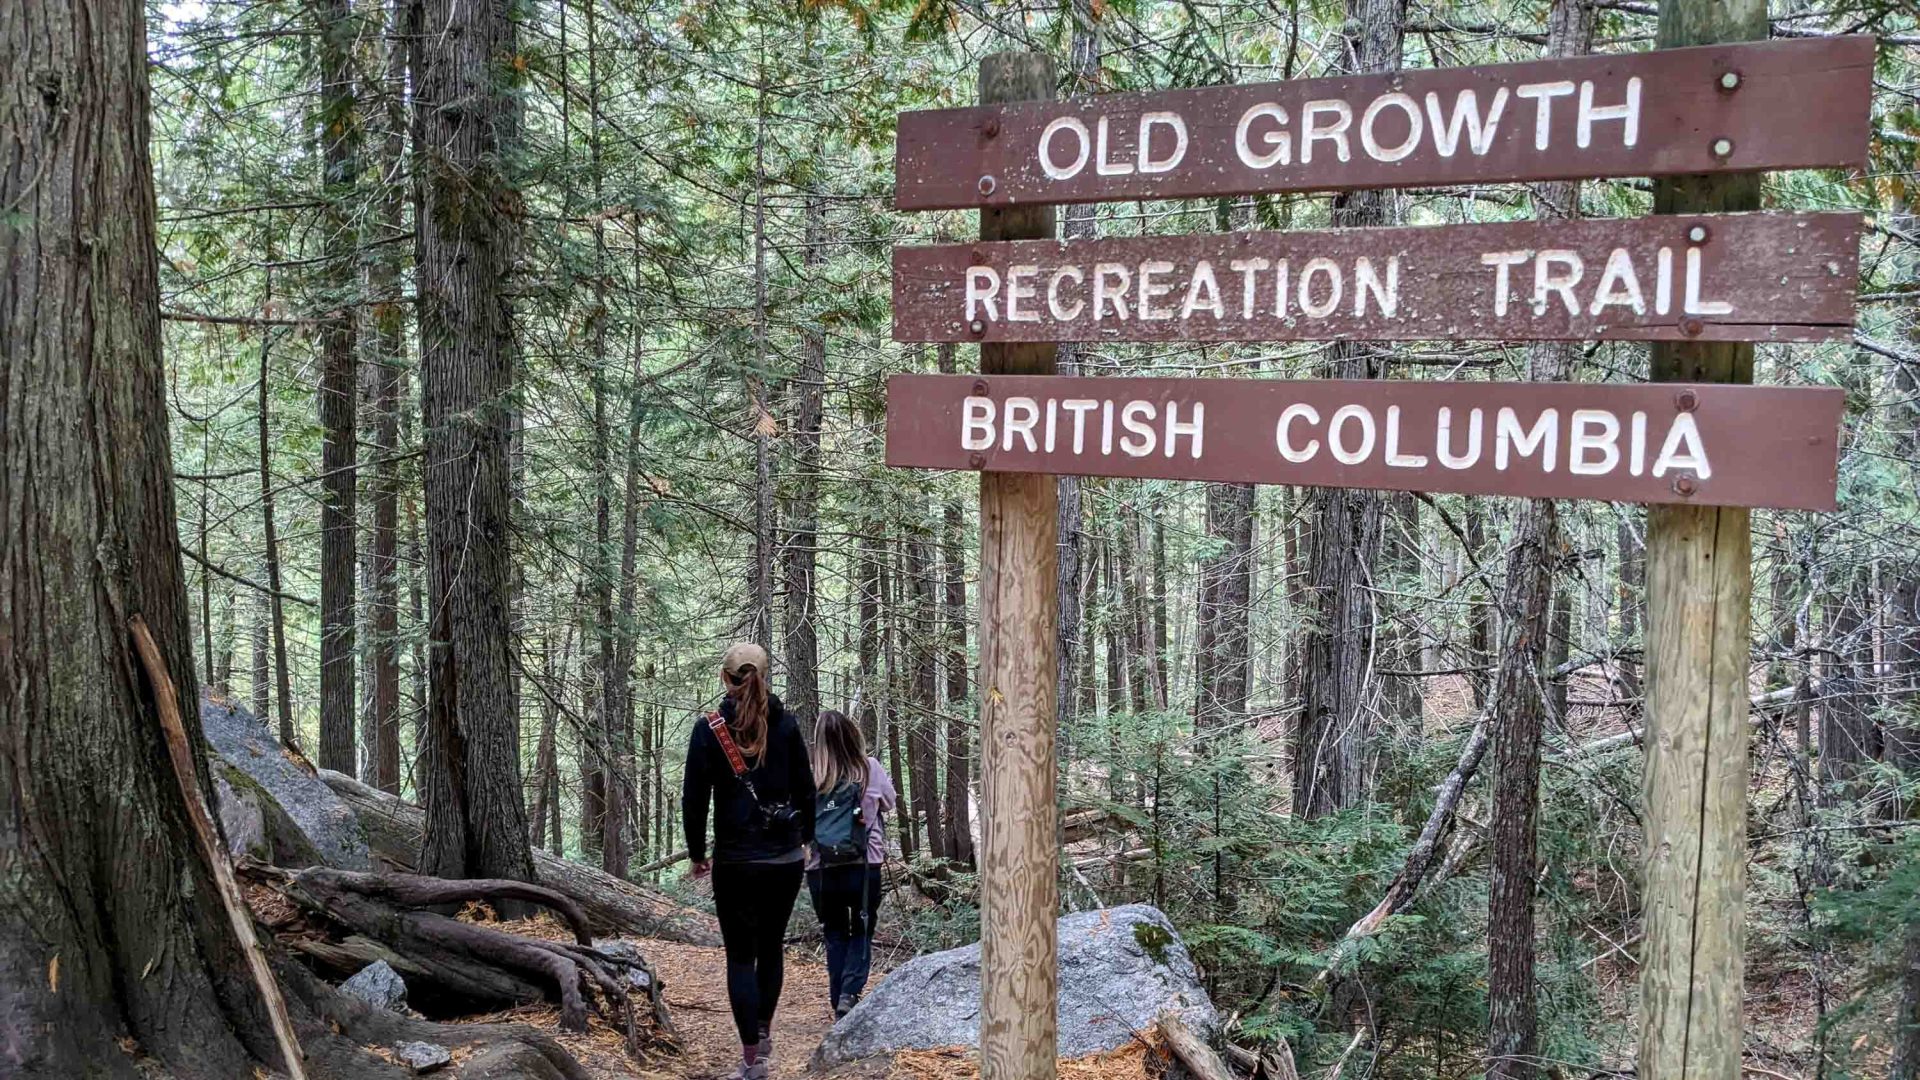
[
  {"x": 1741, "y": 277},
  {"x": 1721, "y": 108},
  {"x": 1646, "y": 443}
]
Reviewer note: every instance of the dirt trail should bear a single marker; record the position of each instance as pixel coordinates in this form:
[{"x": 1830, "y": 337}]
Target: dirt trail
[{"x": 696, "y": 982}]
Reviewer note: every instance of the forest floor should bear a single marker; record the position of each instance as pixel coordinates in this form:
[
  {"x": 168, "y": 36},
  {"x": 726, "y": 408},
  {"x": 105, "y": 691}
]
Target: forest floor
[{"x": 696, "y": 990}]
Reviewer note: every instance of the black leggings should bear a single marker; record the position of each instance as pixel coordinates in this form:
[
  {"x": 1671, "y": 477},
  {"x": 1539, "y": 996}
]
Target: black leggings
[
  {"x": 754, "y": 902},
  {"x": 847, "y": 900}
]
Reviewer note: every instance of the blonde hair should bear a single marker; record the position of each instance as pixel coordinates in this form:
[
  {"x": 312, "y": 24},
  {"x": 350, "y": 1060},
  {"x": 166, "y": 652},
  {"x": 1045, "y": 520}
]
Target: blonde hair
[{"x": 839, "y": 753}]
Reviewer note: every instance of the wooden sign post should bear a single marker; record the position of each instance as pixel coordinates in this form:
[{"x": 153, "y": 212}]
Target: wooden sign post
[
  {"x": 1699, "y": 624},
  {"x": 1019, "y": 609},
  {"x": 1698, "y": 281}
]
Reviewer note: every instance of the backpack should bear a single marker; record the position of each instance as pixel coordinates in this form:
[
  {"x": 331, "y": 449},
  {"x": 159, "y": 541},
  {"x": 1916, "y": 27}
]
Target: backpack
[{"x": 840, "y": 826}]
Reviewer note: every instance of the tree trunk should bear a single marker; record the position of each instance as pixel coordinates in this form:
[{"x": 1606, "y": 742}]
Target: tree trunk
[
  {"x": 892, "y": 713},
  {"x": 283, "y": 688},
  {"x": 923, "y": 749},
  {"x": 1221, "y": 653},
  {"x": 1480, "y": 618},
  {"x": 468, "y": 212},
  {"x": 546, "y": 758},
  {"x": 1849, "y": 734},
  {"x": 259, "y": 639},
  {"x": 869, "y": 689},
  {"x": 1337, "y": 694},
  {"x": 760, "y": 611},
  {"x": 622, "y": 785},
  {"x": 802, "y": 698},
  {"x": 112, "y": 949},
  {"x": 1077, "y": 224},
  {"x": 389, "y": 319},
  {"x": 587, "y": 748},
  {"x": 959, "y": 736},
  {"x": 339, "y": 124},
  {"x": 1524, "y": 688}
]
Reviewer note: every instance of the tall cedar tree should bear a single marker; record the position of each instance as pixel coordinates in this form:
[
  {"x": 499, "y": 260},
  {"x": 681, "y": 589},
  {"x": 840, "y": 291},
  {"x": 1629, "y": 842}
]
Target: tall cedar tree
[
  {"x": 111, "y": 932},
  {"x": 464, "y": 124},
  {"x": 339, "y": 389},
  {"x": 389, "y": 324}
]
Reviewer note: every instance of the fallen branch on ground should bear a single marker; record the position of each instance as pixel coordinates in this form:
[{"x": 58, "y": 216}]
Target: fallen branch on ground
[{"x": 1192, "y": 1051}]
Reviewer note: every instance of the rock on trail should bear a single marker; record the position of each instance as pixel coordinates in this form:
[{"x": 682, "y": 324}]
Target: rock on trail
[{"x": 1120, "y": 969}]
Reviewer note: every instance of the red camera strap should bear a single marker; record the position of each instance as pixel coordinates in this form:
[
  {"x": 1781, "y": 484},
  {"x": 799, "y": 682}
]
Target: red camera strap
[{"x": 719, "y": 725}]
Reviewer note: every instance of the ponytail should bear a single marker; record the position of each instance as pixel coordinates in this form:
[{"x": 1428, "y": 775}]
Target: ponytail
[{"x": 749, "y": 723}]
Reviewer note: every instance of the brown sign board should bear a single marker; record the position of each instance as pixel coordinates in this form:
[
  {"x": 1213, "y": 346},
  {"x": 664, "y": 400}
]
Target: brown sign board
[
  {"x": 1785, "y": 104},
  {"x": 1708, "y": 444},
  {"x": 1725, "y": 277}
]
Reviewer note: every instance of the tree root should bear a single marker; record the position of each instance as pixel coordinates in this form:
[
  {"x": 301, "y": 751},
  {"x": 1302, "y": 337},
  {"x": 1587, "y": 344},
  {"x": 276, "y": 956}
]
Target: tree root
[
  {"x": 338, "y": 1030},
  {"x": 388, "y": 917}
]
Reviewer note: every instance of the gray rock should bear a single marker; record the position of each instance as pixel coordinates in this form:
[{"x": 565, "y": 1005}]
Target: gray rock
[
  {"x": 264, "y": 774},
  {"x": 1120, "y": 969},
  {"x": 242, "y": 818},
  {"x": 378, "y": 985},
  {"x": 423, "y": 1057}
]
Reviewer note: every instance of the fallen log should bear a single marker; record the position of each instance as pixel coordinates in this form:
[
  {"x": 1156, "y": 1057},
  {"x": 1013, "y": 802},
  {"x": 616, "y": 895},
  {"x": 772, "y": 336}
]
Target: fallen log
[
  {"x": 612, "y": 906},
  {"x": 1760, "y": 706}
]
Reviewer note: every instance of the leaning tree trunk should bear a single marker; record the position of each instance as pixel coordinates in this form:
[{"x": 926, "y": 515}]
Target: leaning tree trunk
[
  {"x": 112, "y": 948},
  {"x": 476, "y": 823},
  {"x": 1337, "y": 693}
]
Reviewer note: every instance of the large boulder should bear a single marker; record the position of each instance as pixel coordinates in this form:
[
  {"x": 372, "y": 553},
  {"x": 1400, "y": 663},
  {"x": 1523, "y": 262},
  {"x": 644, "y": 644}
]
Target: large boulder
[
  {"x": 1120, "y": 970},
  {"x": 262, "y": 791}
]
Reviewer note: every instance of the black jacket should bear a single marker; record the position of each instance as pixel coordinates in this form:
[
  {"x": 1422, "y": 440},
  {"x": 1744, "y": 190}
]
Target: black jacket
[{"x": 782, "y": 775}]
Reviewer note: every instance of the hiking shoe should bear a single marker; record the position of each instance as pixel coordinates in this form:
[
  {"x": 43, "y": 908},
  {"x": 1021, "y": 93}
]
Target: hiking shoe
[
  {"x": 756, "y": 1071},
  {"x": 845, "y": 1006}
]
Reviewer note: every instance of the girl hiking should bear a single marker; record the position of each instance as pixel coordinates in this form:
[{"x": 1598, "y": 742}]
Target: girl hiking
[
  {"x": 843, "y": 869},
  {"x": 748, "y": 759}
]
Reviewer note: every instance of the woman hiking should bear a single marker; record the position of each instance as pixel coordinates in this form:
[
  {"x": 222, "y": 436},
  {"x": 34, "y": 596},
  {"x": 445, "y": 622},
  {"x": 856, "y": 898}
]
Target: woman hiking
[
  {"x": 843, "y": 868},
  {"x": 748, "y": 759}
]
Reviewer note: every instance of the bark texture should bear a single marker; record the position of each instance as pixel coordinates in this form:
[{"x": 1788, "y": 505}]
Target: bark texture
[
  {"x": 389, "y": 324},
  {"x": 468, "y": 210},
  {"x": 339, "y": 389},
  {"x": 110, "y": 930},
  {"x": 1525, "y": 694}
]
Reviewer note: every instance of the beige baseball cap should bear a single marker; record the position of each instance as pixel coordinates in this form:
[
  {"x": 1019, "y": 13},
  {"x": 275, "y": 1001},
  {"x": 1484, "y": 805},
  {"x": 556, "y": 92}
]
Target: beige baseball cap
[{"x": 743, "y": 655}]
